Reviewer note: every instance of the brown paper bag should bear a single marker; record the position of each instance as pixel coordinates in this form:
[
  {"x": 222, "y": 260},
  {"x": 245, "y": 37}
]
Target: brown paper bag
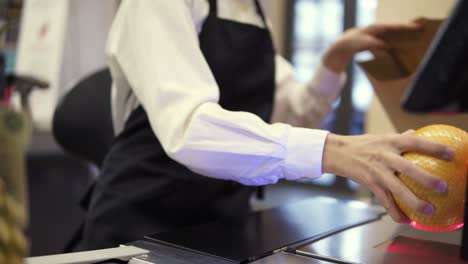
[{"x": 391, "y": 72}]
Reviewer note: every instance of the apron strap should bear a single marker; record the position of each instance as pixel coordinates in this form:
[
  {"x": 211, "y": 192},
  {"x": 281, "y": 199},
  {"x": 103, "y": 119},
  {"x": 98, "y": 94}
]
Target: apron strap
[
  {"x": 213, "y": 7},
  {"x": 261, "y": 13}
]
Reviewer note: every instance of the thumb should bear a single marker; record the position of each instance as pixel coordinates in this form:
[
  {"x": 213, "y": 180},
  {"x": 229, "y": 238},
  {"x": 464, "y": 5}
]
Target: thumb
[{"x": 409, "y": 132}]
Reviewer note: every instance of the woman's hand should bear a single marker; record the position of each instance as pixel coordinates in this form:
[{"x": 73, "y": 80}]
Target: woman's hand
[
  {"x": 374, "y": 160},
  {"x": 355, "y": 40}
]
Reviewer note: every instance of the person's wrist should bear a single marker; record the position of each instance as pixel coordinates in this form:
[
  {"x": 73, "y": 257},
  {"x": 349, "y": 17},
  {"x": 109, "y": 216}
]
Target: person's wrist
[{"x": 331, "y": 150}]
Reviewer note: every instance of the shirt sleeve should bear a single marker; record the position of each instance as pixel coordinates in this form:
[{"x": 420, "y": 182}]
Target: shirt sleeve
[
  {"x": 305, "y": 104},
  {"x": 155, "y": 46}
]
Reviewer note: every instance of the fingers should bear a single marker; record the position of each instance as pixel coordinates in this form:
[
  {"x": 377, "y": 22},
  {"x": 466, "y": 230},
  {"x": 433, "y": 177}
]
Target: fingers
[
  {"x": 407, "y": 168},
  {"x": 369, "y": 38},
  {"x": 399, "y": 189},
  {"x": 388, "y": 203},
  {"x": 370, "y": 42},
  {"x": 419, "y": 144},
  {"x": 395, "y": 212},
  {"x": 379, "y": 29}
]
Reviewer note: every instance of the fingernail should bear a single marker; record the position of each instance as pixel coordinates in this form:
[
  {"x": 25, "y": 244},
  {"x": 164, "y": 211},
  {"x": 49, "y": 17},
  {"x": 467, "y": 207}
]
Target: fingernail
[
  {"x": 441, "y": 187},
  {"x": 428, "y": 210},
  {"x": 449, "y": 154}
]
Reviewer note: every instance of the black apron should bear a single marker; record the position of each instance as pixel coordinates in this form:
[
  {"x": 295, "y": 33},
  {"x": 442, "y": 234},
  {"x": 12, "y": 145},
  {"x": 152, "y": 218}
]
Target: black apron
[{"x": 141, "y": 190}]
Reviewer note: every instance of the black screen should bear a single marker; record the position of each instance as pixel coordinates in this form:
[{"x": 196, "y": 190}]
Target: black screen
[{"x": 441, "y": 81}]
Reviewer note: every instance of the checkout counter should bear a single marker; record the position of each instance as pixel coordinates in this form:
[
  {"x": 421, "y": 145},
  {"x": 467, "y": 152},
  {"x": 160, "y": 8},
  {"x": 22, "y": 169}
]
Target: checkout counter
[{"x": 314, "y": 231}]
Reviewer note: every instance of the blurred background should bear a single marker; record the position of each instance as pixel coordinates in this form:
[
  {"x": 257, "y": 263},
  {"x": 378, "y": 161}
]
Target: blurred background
[{"x": 302, "y": 29}]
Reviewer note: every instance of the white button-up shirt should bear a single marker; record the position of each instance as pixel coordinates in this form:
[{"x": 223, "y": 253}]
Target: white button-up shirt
[{"x": 156, "y": 62}]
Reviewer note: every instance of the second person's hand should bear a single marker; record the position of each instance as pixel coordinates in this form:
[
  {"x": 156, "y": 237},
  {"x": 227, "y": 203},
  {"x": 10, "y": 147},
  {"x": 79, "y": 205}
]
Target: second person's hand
[{"x": 355, "y": 40}]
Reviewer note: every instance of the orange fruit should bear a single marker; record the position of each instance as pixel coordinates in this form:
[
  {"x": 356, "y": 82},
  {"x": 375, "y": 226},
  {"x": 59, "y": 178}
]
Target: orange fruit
[{"x": 449, "y": 206}]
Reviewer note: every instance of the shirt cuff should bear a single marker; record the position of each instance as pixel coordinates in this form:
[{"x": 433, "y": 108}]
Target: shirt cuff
[
  {"x": 327, "y": 83},
  {"x": 304, "y": 153}
]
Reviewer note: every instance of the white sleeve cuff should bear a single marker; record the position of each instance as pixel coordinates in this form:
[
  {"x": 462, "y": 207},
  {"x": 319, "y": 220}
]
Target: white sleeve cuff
[
  {"x": 304, "y": 153},
  {"x": 327, "y": 83}
]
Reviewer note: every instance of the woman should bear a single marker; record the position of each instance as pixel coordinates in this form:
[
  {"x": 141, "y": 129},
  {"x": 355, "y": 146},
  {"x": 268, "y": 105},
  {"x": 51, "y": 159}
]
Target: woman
[{"x": 204, "y": 109}]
